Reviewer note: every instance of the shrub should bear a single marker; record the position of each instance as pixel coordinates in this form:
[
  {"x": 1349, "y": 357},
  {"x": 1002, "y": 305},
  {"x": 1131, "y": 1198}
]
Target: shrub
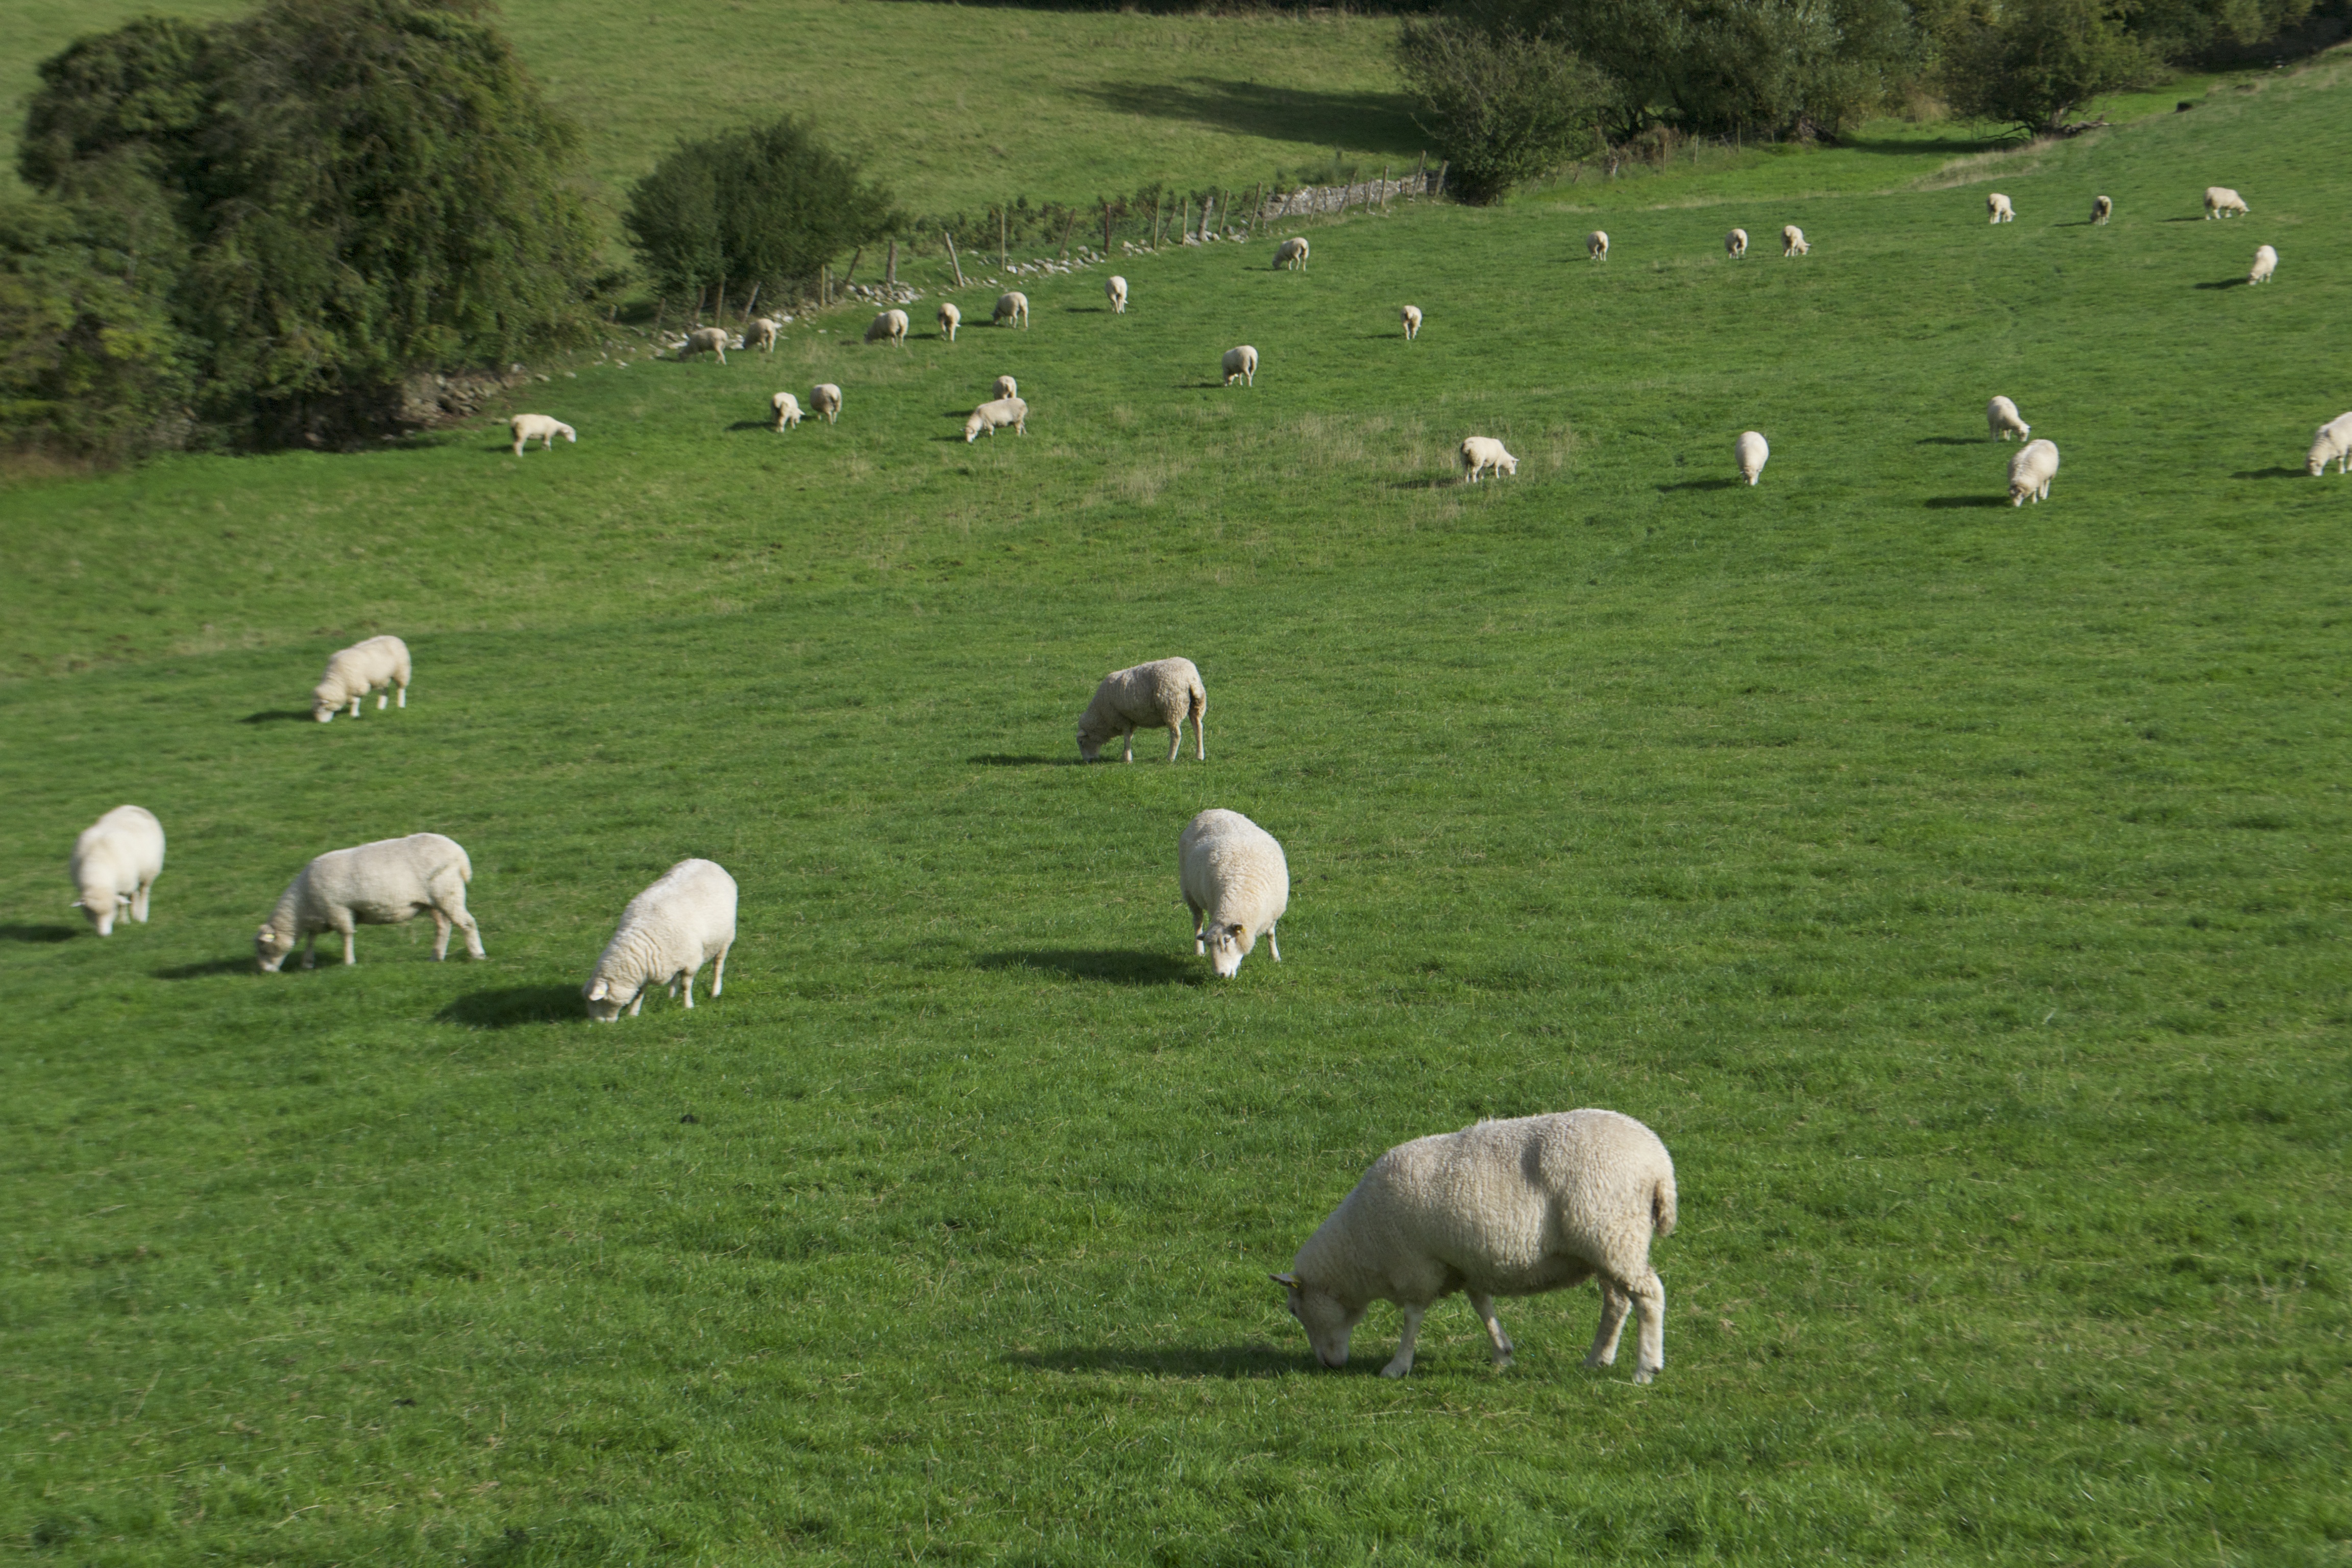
[
  {"x": 1502, "y": 107},
  {"x": 2034, "y": 61},
  {"x": 89, "y": 362}
]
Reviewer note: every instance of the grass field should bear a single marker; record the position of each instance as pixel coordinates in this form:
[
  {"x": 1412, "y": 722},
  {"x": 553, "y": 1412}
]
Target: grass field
[{"x": 1960, "y": 891}]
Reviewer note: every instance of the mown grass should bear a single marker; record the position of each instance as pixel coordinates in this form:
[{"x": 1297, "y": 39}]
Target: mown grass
[{"x": 1960, "y": 891}]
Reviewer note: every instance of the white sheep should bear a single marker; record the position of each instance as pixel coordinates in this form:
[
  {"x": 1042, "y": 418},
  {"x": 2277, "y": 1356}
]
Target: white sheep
[
  {"x": 1116, "y": 288},
  {"x": 1752, "y": 450},
  {"x": 2030, "y": 471},
  {"x": 1734, "y": 244},
  {"x": 1792, "y": 241},
  {"x": 787, "y": 409},
  {"x": 706, "y": 339},
  {"x": 993, "y": 416},
  {"x": 891, "y": 325},
  {"x": 540, "y": 427},
  {"x": 825, "y": 398},
  {"x": 379, "y": 884},
  {"x": 1411, "y": 315},
  {"x": 2266, "y": 263},
  {"x": 2102, "y": 208},
  {"x": 1012, "y": 306},
  {"x": 667, "y": 934},
  {"x": 2333, "y": 439},
  {"x": 2220, "y": 201},
  {"x": 1514, "y": 1208},
  {"x": 950, "y": 319},
  {"x": 1157, "y": 696},
  {"x": 1240, "y": 364},
  {"x": 2003, "y": 420},
  {"x": 1236, "y": 884},
  {"x": 762, "y": 334},
  {"x": 353, "y": 672},
  {"x": 1596, "y": 245},
  {"x": 1005, "y": 387},
  {"x": 1291, "y": 254},
  {"x": 1483, "y": 454},
  {"x": 1998, "y": 207},
  {"x": 115, "y": 863}
]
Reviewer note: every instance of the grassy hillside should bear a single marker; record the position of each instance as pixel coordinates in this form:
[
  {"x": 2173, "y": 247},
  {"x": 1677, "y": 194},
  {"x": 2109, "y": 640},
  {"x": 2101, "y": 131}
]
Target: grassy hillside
[{"x": 1959, "y": 890}]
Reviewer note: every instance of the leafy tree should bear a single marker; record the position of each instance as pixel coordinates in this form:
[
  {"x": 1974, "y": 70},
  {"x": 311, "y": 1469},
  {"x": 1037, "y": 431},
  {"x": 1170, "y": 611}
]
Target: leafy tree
[
  {"x": 90, "y": 362},
  {"x": 1502, "y": 107},
  {"x": 2034, "y": 62}
]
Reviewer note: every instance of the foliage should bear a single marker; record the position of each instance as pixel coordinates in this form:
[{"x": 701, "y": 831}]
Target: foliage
[
  {"x": 2032, "y": 62},
  {"x": 1502, "y": 107},
  {"x": 89, "y": 362}
]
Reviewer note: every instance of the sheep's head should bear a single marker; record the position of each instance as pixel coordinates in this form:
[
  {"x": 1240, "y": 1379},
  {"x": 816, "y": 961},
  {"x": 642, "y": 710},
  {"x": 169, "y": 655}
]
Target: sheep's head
[
  {"x": 1509, "y": 465},
  {"x": 1090, "y": 744},
  {"x": 1228, "y": 945},
  {"x": 603, "y": 1002},
  {"x": 324, "y": 702},
  {"x": 569, "y": 435},
  {"x": 2317, "y": 463},
  {"x": 100, "y": 906},
  {"x": 1330, "y": 1322},
  {"x": 271, "y": 947}
]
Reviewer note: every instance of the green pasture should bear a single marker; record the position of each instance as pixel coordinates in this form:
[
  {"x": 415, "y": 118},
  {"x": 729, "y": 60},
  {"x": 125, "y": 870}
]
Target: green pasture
[{"x": 1960, "y": 891}]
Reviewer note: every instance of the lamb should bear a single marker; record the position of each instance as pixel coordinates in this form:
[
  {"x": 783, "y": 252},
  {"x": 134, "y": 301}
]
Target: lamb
[
  {"x": 1596, "y": 245},
  {"x": 704, "y": 340},
  {"x": 1734, "y": 244},
  {"x": 950, "y": 319},
  {"x": 1236, "y": 884},
  {"x": 353, "y": 673},
  {"x": 1411, "y": 315},
  {"x": 825, "y": 398},
  {"x": 115, "y": 863},
  {"x": 1241, "y": 365},
  {"x": 788, "y": 412},
  {"x": 762, "y": 334},
  {"x": 666, "y": 935},
  {"x": 1006, "y": 387},
  {"x": 2221, "y": 201},
  {"x": 1792, "y": 241},
  {"x": 2000, "y": 211},
  {"x": 2003, "y": 419},
  {"x": 1116, "y": 286},
  {"x": 994, "y": 416},
  {"x": 379, "y": 884},
  {"x": 1752, "y": 450},
  {"x": 889, "y": 324},
  {"x": 1012, "y": 306},
  {"x": 2333, "y": 439},
  {"x": 2266, "y": 263},
  {"x": 2102, "y": 208},
  {"x": 1291, "y": 254},
  {"x": 1483, "y": 454},
  {"x": 2030, "y": 471},
  {"x": 529, "y": 428},
  {"x": 1157, "y": 696},
  {"x": 1513, "y": 1208}
]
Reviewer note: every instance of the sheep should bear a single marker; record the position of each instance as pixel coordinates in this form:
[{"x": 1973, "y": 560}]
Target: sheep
[
  {"x": 666, "y": 935},
  {"x": 2002, "y": 212},
  {"x": 1012, "y": 306},
  {"x": 890, "y": 325},
  {"x": 1752, "y": 450},
  {"x": 1005, "y": 387},
  {"x": 950, "y": 319},
  {"x": 1513, "y": 1208},
  {"x": 2266, "y": 263},
  {"x": 1596, "y": 245},
  {"x": 1481, "y": 453},
  {"x": 1734, "y": 244},
  {"x": 761, "y": 334},
  {"x": 1411, "y": 316},
  {"x": 1241, "y": 365},
  {"x": 2004, "y": 421},
  {"x": 540, "y": 427},
  {"x": 788, "y": 412},
  {"x": 115, "y": 863},
  {"x": 1291, "y": 254},
  {"x": 993, "y": 416},
  {"x": 379, "y": 884},
  {"x": 2102, "y": 208},
  {"x": 1157, "y": 696},
  {"x": 1236, "y": 884},
  {"x": 704, "y": 340},
  {"x": 1116, "y": 288},
  {"x": 825, "y": 398},
  {"x": 1792, "y": 241},
  {"x": 2220, "y": 201},
  {"x": 2030, "y": 471},
  {"x": 353, "y": 672},
  {"x": 2333, "y": 439}
]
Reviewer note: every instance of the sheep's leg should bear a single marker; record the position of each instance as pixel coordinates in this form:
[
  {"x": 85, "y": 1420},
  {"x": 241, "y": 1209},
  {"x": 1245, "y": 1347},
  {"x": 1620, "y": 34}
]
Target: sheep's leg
[
  {"x": 1175, "y": 740},
  {"x": 1129, "y": 737},
  {"x": 384, "y": 700},
  {"x": 403, "y": 694},
  {"x": 139, "y": 903},
  {"x": 1199, "y": 928},
  {"x": 638, "y": 1006},
  {"x": 1273, "y": 946},
  {"x": 351, "y": 952},
  {"x": 1201, "y": 732},
  {"x": 719, "y": 972},
  {"x": 1614, "y": 1303},
  {"x": 440, "y": 936},
  {"x": 310, "y": 953},
  {"x": 690, "y": 990},
  {"x": 1402, "y": 1362},
  {"x": 1650, "y": 1298},
  {"x": 1485, "y": 1307},
  {"x": 355, "y": 703}
]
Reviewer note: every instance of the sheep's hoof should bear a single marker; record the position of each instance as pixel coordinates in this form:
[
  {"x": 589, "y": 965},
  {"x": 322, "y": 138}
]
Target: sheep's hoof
[
  {"x": 1645, "y": 1375},
  {"x": 1599, "y": 1362},
  {"x": 1396, "y": 1369},
  {"x": 1503, "y": 1362}
]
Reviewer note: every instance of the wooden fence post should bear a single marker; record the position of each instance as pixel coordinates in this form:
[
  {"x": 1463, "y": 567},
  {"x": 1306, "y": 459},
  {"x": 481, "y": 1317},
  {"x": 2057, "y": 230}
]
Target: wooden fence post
[
  {"x": 953, "y": 265},
  {"x": 824, "y": 283},
  {"x": 1068, "y": 229},
  {"x": 890, "y": 269},
  {"x": 1185, "y": 226},
  {"x": 1106, "y": 221},
  {"x": 1002, "y": 255}
]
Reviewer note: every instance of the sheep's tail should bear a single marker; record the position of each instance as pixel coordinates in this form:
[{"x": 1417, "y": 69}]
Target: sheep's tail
[
  {"x": 1196, "y": 703},
  {"x": 466, "y": 874},
  {"x": 1662, "y": 1205}
]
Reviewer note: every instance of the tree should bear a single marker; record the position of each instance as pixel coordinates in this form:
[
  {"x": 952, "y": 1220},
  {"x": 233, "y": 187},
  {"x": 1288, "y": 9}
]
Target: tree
[
  {"x": 90, "y": 362},
  {"x": 1502, "y": 107},
  {"x": 2034, "y": 62}
]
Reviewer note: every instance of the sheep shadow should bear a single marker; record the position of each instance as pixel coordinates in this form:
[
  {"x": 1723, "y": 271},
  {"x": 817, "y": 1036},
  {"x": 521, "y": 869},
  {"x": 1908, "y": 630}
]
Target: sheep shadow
[
  {"x": 1377, "y": 123},
  {"x": 1007, "y": 759},
  {"x": 39, "y": 933},
  {"x": 206, "y": 968},
  {"x": 1940, "y": 503},
  {"x": 1443, "y": 482},
  {"x": 752, "y": 424},
  {"x": 511, "y": 1005},
  {"x": 1703, "y": 485},
  {"x": 2273, "y": 473},
  {"x": 276, "y": 715},
  {"x": 1947, "y": 441},
  {"x": 1174, "y": 1361},
  {"x": 1115, "y": 966},
  {"x": 2225, "y": 283}
]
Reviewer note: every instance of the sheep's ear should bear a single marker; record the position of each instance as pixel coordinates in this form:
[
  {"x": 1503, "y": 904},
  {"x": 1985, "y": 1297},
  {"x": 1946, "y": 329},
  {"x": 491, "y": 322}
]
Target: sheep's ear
[
  {"x": 599, "y": 991},
  {"x": 1287, "y": 1281}
]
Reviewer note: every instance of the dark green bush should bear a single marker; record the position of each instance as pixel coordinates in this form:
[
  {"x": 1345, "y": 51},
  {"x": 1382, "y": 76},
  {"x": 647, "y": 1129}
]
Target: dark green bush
[
  {"x": 1501, "y": 106},
  {"x": 2034, "y": 62},
  {"x": 90, "y": 362}
]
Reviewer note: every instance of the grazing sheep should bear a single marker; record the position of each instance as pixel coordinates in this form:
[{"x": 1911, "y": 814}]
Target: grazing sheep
[
  {"x": 2222, "y": 202},
  {"x": 1291, "y": 253},
  {"x": 788, "y": 412},
  {"x": 1411, "y": 315},
  {"x": 2000, "y": 211},
  {"x": 1752, "y": 450},
  {"x": 1157, "y": 696},
  {"x": 2030, "y": 471},
  {"x": 2333, "y": 439},
  {"x": 1483, "y": 454},
  {"x": 1792, "y": 241},
  {"x": 666, "y": 935},
  {"x": 1241, "y": 365},
  {"x": 353, "y": 672},
  {"x": 761, "y": 334},
  {"x": 1514, "y": 1208},
  {"x": 115, "y": 863},
  {"x": 2266, "y": 263},
  {"x": 704, "y": 340},
  {"x": 889, "y": 324},
  {"x": 1236, "y": 884},
  {"x": 1596, "y": 245},
  {"x": 1734, "y": 244},
  {"x": 1013, "y": 307},
  {"x": 2003, "y": 420},
  {"x": 1116, "y": 288},
  {"x": 2102, "y": 208},
  {"x": 950, "y": 319},
  {"x": 993, "y": 416},
  {"x": 540, "y": 427},
  {"x": 1005, "y": 387},
  {"x": 825, "y": 398},
  {"x": 379, "y": 884}
]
